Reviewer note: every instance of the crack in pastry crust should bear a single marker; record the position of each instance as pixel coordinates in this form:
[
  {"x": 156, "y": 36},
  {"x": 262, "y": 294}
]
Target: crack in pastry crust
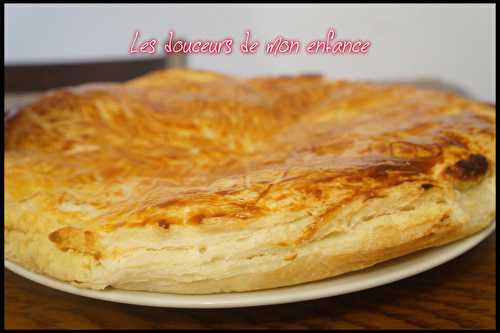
[{"x": 194, "y": 182}]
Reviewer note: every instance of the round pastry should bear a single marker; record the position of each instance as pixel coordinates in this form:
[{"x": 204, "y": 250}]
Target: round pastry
[{"x": 195, "y": 182}]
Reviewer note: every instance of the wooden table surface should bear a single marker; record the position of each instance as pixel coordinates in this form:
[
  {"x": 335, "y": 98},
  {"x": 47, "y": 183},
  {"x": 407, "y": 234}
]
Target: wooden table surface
[{"x": 458, "y": 294}]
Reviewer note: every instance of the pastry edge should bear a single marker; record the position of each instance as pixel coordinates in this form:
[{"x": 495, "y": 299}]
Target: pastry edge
[{"x": 43, "y": 256}]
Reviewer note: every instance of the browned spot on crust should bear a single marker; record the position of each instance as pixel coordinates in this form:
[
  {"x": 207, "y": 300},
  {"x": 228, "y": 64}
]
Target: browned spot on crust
[
  {"x": 163, "y": 224},
  {"x": 456, "y": 140},
  {"x": 427, "y": 186},
  {"x": 316, "y": 192},
  {"x": 474, "y": 166},
  {"x": 69, "y": 238},
  {"x": 89, "y": 239},
  {"x": 444, "y": 217},
  {"x": 55, "y": 237},
  {"x": 236, "y": 210},
  {"x": 198, "y": 218}
]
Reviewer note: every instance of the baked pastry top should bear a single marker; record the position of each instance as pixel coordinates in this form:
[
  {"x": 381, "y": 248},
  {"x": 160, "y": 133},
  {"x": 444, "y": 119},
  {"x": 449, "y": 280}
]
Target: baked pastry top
[{"x": 196, "y": 182}]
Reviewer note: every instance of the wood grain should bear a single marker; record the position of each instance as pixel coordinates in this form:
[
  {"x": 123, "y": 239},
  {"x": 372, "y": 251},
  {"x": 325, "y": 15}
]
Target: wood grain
[
  {"x": 22, "y": 78},
  {"x": 458, "y": 294}
]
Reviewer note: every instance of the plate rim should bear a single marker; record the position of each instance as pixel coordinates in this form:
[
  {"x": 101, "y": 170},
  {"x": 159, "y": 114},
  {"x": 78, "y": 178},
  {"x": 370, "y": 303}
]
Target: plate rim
[{"x": 289, "y": 294}]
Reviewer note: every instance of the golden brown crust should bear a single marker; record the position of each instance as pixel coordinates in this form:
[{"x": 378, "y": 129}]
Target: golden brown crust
[{"x": 171, "y": 166}]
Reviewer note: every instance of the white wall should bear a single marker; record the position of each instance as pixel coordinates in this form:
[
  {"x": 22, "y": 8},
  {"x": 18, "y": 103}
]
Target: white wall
[{"x": 452, "y": 43}]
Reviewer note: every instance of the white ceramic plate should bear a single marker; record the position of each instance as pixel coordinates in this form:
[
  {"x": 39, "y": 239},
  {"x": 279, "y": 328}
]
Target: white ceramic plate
[{"x": 380, "y": 274}]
